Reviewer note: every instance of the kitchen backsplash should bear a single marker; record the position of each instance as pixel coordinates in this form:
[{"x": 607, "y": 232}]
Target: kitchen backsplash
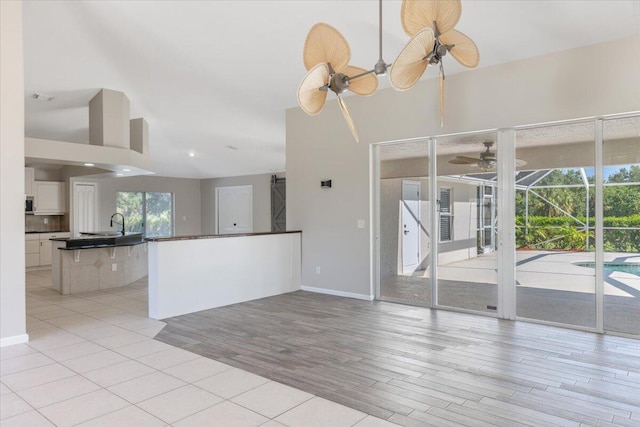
[{"x": 54, "y": 223}]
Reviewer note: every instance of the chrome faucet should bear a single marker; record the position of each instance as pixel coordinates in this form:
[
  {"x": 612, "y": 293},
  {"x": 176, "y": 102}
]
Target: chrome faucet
[{"x": 122, "y": 223}]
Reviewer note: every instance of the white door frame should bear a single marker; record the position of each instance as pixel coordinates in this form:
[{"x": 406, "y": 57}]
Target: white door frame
[{"x": 72, "y": 204}]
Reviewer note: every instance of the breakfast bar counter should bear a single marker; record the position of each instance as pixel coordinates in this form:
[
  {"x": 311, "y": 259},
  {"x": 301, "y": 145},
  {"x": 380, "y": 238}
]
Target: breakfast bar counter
[{"x": 98, "y": 261}]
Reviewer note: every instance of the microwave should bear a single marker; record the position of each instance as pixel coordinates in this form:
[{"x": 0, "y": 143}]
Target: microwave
[{"x": 28, "y": 205}]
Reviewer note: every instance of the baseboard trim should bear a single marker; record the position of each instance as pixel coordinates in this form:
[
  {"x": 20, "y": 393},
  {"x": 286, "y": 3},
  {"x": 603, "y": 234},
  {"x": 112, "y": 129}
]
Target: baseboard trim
[
  {"x": 16, "y": 339},
  {"x": 337, "y": 293}
]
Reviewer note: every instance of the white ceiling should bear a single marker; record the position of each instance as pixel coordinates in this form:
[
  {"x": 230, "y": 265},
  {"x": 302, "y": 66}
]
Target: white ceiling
[{"x": 207, "y": 75}]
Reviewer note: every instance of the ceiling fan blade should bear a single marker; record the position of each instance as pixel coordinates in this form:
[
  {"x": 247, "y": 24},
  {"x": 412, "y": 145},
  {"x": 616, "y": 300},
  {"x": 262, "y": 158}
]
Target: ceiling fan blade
[
  {"x": 469, "y": 159},
  {"x": 464, "y": 50},
  {"x": 461, "y": 162},
  {"x": 410, "y": 64},
  {"x": 325, "y": 44},
  {"x": 310, "y": 97},
  {"x": 347, "y": 117},
  {"x": 417, "y": 14},
  {"x": 364, "y": 85},
  {"x": 441, "y": 80}
]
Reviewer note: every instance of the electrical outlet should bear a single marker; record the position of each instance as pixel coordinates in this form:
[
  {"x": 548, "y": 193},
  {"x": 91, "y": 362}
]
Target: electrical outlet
[
  {"x": 318, "y": 270},
  {"x": 46, "y": 220},
  {"x": 361, "y": 223},
  {"x": 114, "y": 267}
]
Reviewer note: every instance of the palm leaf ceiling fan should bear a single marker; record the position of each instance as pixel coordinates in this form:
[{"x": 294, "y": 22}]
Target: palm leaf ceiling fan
[
  {"x": 486, "y": 160},
  {"x": 430, "y": 24}
]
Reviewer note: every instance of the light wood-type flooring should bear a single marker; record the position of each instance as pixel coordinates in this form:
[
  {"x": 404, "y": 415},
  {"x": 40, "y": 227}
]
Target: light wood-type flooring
[{"x": 416, "y": 366}]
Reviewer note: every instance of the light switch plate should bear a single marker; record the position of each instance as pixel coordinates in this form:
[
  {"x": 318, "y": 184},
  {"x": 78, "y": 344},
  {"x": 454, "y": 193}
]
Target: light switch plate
[{"x": 361, "y": 223}]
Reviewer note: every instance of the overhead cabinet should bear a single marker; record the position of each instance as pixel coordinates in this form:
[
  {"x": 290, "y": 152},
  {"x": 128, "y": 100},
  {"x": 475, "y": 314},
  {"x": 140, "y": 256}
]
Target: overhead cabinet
[{"x": 49, "y": 198}]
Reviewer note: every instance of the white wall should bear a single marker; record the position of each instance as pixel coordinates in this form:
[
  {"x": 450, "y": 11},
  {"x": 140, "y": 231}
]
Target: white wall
[
  {"x": 186, "y": 198},
  {"x": 558, "y": 86},
  {"x": 261, "y": 200},
  {"x": 191, "y": 275},
  {"x": 12, "y": 279}
]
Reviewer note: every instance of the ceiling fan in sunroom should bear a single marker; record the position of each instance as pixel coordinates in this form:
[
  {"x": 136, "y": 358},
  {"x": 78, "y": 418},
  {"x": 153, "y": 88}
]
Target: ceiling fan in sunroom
[
  {"x": 429, "y": 23},
  {"x": 486, "y": 160}
]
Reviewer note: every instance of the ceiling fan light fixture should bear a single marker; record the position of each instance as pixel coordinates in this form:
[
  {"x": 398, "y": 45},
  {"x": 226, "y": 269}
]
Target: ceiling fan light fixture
[{"x": 487, "y": 165}]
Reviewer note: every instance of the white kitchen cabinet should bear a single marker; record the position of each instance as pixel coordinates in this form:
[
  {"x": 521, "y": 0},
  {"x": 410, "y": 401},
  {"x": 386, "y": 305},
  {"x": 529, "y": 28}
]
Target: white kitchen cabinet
[
  {"x": 32, "y": 250},
  {"x": 38, "y": 248},
  {"x": 45, "y": 246},
  {"x": 49, "y": 198},
  {"x": 29, "y": 178},
  {"x": 45, "y": 252}
]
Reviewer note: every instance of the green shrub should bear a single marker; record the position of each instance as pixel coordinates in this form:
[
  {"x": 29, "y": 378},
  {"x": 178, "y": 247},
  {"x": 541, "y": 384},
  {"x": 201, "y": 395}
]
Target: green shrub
[{"x": 561, "y": 232}]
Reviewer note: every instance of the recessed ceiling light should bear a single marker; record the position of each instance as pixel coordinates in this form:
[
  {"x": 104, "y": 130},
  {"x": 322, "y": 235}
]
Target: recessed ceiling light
[
  {"x": 89, "y": 164},
  {"x": 119, "y": 174},
  {"x": 126, "y": 170},
  {"x": 192, "y": 154},
  {"x": 231, "y": 147}
]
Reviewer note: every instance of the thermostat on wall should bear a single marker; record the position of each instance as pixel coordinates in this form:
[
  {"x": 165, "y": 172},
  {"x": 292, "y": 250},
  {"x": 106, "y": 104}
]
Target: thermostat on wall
[{"x": 325, "y": 184}]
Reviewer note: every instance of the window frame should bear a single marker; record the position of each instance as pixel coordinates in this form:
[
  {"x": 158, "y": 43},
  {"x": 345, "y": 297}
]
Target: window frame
[{"x": 144, "y": 209}]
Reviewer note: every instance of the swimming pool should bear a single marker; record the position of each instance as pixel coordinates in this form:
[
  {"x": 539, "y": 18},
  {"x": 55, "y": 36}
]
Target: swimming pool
[{"x": 625, "y": 267}]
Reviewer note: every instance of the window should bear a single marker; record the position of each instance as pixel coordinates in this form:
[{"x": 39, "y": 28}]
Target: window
[
  {"x": 150, "y": 213},
  {"x": 446, "y": 215}
]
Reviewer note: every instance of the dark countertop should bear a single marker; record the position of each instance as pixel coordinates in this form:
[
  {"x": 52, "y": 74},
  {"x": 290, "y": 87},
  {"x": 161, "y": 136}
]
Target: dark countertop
[
  {"x": 97, "y": 246},
  {"x": 216, "y": 236},
  {"x": 40, "y": 232},
  {"x": 100, "y": 239}
]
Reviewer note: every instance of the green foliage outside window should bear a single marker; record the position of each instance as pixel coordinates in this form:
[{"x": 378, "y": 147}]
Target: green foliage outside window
[
  {"x": 154, "y": 217},
  {"x": 550, "y": 228}
]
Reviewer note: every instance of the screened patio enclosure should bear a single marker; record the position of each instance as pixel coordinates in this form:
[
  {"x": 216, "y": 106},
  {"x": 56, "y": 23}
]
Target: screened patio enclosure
[{"x": 560, "y": 234}]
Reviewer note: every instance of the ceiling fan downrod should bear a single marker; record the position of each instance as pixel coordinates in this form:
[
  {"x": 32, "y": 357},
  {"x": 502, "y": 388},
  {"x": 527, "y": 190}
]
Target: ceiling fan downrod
[{"x": 381, "y": 66}]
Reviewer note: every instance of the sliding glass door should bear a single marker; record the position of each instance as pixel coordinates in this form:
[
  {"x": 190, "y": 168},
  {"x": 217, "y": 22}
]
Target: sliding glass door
[
  {"x": 621, "y": 225},
  {"x": 467, "y": 222},
  {"x": 555, "y": 199},
  {"x": 548, "y": 231},
  {"x": 405, "y": 240}
]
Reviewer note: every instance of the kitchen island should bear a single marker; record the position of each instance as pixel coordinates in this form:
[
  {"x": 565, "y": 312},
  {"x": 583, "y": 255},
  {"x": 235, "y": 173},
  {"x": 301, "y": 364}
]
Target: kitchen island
[
  {"x": 98, "y": 261},
  {"x": 193, "y": 273}
]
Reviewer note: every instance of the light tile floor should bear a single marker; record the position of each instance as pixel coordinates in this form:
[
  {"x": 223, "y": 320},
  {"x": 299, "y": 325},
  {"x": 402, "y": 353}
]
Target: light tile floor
[{"x": 92, "y": 361}]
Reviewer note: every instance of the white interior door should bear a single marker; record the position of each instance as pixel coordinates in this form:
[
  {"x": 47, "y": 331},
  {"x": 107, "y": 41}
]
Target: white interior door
[
  {"x": 85, "y": 210},
  {"x": 235, "y": 209},
  {"x": 410, "y": 231}
]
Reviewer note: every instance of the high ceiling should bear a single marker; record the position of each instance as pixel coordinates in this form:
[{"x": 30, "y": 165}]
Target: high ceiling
[{"x": 208, "y": 76}]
